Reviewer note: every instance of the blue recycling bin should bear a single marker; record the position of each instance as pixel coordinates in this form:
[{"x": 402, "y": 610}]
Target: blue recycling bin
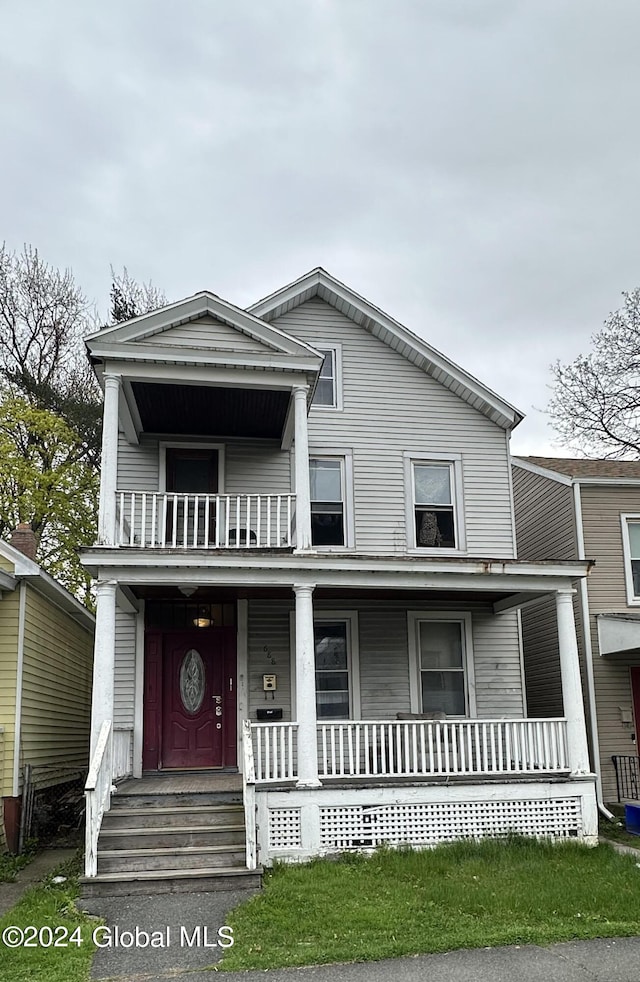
[{"x": 632, "y": 819}]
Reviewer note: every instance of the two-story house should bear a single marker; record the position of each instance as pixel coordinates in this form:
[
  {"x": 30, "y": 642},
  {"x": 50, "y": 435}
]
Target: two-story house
[
  {"x": 306, "y": 572},
  {"x": 570, "y": 509}
]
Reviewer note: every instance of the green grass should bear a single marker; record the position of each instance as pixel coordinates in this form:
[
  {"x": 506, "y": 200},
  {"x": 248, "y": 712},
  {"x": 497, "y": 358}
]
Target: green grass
[
  {"x": 10, "y": 865},
  {"x": 465, "y": 895},
  {"x": 52, "y": 905},
  {"x": 617, "y": 832}
]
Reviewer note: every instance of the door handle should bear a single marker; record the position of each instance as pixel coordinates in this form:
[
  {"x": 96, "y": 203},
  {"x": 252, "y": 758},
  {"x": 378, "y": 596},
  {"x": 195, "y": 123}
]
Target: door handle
[{"x": 217, "y": 700}]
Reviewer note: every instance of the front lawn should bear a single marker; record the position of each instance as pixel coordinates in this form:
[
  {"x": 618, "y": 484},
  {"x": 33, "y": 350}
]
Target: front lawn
[
  {"x": 465, "y": 895},
  {"x": 48, "y": 906}
]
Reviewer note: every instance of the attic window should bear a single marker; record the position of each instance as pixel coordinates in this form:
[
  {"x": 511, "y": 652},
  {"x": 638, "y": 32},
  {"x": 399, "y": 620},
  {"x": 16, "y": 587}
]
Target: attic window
[{"x": 328, "y": 394}]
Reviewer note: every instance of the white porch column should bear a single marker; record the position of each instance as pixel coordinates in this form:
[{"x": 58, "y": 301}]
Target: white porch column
[
  {"x": 303, "y": 492},
  {"x": 571, "y": 685},
  {"x": 306, "y": 689},
  {"x": 104, "y": 659},
  {"x": 109, "y": 474}
]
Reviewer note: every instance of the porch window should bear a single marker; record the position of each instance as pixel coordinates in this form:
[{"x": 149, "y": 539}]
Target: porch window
[
  {"x": 434, "y": 510},
  {"x": 332, "y": 669},
  {"x": 631, "y": 546},
  {"x": 326, "y": 478},
  {"x": 439, "y": 647}
]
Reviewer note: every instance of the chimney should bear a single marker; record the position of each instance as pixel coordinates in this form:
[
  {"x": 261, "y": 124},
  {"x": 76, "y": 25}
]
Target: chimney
[{"x": 25, "y": 540}]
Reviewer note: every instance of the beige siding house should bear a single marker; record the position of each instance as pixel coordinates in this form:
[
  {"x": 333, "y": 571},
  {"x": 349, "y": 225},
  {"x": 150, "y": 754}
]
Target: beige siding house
[
  {"x": 573, "y": 509},
  {"x": 307, "y": 583},
  {"x": 46, "y": 653}
]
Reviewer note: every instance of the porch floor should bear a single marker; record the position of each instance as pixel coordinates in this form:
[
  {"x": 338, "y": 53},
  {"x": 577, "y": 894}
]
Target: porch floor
[{"x": 180, "y": 782}]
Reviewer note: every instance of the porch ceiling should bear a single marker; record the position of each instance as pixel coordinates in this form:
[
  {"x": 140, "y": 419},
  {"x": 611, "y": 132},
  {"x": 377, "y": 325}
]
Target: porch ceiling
[{"x": 201, "y": 410}]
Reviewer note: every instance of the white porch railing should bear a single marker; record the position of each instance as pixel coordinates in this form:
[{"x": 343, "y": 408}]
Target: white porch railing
[
  {"x": 249, "y": 796},
  {"x": 97, "y": 793},
  {"x": 420, "y": 748},
  {"x": 155, "y": 519}
]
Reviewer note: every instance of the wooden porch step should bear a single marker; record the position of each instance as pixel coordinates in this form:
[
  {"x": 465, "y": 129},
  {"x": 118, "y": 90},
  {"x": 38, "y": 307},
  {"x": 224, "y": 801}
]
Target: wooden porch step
[
  {"x": 175, "y": 799},
  {"x": 171, "y": 836},
  {"x": 186, "y": 858},
  {"x": 205, "y": 880},
  {"x": 166, "y": 815}
]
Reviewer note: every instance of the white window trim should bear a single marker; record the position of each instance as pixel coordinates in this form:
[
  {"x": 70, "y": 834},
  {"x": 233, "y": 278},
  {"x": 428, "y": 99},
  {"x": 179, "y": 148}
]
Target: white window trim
[
  {"x": 176, "y": 445},
  {"x": 353, "y": 656},
  {"x": 346, "y": 459},
  {"x": 454, "y": 461},
  {"x": 414, "y": 618},
  {"x": 632, "y": 600},
  {"x": 336, "y": 347}
]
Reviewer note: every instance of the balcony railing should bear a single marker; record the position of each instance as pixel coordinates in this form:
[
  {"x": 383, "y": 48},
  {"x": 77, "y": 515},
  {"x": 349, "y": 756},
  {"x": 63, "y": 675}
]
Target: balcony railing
[
  {"x": 418, "y": 749},
  {"x": 161, "y": 520}
]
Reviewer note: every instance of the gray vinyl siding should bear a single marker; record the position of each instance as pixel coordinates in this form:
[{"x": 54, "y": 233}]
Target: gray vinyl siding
[
  {"x": 250, "y": 467},
  {"x": 542, "y": 659},
  {"x": 384, "y": 657},
  {"x": 207, "y": 332},
  {"x": 138, "y": 465},
  {"x": 255, "y": 467},
  {"x": 392, "y": 407},
  {"x": 545, "y": 525},
  {"x": 601, "y": 509},
  {"x": 545, "y": 530},
  {"x": 125, "y": 669}
]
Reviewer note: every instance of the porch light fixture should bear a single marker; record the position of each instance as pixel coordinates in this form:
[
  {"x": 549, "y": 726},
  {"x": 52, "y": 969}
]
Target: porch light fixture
[
  {"x": 202, "y": 622},
  {"x": 203, "y": 617},
  {"x": 187, "y": 591}
]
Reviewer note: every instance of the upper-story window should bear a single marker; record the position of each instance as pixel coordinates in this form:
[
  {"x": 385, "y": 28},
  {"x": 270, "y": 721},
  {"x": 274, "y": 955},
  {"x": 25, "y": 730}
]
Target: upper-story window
[
  {"x": 328, "y": 394},
  {"x": 631, "y": 546},
  {"x": 434, "y": 508},
  {"x": 326, "y": 477}
]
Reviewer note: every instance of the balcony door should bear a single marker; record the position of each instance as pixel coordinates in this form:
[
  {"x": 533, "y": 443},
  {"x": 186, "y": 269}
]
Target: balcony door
[{"x": 190, "y": 471}]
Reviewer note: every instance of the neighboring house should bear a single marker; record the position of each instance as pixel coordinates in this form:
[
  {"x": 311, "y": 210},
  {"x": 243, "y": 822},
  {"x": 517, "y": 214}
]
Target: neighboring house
[
  {"x": 306, "y": 570},
  {"x": 569, "y": 509},
  {"x": 46, "y": 654}
]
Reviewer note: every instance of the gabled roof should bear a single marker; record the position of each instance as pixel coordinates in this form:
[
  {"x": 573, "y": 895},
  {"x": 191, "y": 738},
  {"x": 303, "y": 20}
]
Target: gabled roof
[
  {"x": 201, "y": 304},
  {"x": 577, "y": 467},
  {"x": 319, "y": 283},
  {"x": 26, "y": 569}
]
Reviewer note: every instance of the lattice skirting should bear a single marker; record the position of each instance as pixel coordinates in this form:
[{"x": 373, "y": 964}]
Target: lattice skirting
[
  {"x": 284, "y": 828},
  {"x": 364, "y": 826},
  {"x": 298, "y": 824}
]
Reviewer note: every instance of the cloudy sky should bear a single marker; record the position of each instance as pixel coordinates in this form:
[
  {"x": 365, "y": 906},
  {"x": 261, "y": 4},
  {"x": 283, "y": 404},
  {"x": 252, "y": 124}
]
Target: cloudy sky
[{"x": 470, "y": 166}]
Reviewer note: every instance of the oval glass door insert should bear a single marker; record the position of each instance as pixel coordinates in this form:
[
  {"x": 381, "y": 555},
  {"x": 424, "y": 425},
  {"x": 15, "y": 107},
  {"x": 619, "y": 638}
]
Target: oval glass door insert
[{"x": 192, "y": 681}]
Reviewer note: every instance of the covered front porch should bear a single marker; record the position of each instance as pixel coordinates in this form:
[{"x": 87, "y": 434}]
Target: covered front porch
[{"x": 395, "y": 766}]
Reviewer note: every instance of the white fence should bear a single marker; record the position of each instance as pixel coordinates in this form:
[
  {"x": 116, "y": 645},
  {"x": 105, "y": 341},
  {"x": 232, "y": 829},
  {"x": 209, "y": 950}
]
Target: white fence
[
  {"x": 420, "y": 748},
  {"x": 153, "y": 519}
]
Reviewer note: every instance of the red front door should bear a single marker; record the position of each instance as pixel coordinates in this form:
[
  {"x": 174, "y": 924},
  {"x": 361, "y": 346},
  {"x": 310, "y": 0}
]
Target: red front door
[{"x": 198, "y": 699}]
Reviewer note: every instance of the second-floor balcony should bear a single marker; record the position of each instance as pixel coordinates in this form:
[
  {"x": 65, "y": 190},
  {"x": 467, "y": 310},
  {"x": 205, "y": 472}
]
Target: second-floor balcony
[{"x": 176, "y": 520}]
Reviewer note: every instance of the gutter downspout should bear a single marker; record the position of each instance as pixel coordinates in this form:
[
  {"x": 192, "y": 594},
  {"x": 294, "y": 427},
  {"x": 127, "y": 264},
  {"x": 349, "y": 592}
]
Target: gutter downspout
[
  {"x": 22, "y": 610},
  {"x": 588, "y": 655}
]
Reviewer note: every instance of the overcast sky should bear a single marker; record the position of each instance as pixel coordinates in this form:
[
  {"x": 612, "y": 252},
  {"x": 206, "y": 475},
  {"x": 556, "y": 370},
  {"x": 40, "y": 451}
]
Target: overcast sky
[{"x": 470, "y": 166}]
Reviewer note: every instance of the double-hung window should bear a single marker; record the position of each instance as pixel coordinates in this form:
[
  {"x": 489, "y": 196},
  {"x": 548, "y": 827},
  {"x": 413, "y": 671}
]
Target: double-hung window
[
  {"x": 631, "y": 545},
  {"x": 439, "y": 646},
  {"x": 332, "y": 669},
  {"x": 328, "y": 393},
  {"x": 326, "y": 477},
  {"x": 435, "y": 524}
]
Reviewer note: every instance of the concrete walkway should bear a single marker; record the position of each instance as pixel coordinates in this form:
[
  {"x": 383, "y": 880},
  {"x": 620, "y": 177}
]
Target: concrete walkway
[{"x": 41, "y": 866}]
